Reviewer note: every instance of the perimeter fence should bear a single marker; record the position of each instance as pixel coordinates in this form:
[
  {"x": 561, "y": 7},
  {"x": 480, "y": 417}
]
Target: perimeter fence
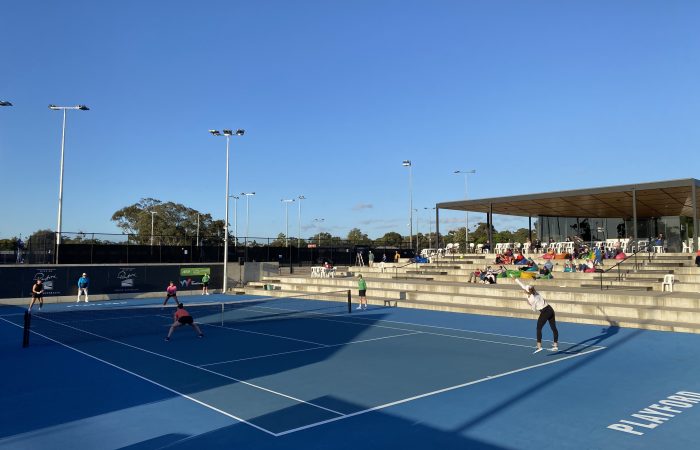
[{"x": 105, "y": 248}]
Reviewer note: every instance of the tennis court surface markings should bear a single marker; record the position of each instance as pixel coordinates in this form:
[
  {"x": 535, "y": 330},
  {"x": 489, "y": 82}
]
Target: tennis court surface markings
[{"x": 281, "y": 372}]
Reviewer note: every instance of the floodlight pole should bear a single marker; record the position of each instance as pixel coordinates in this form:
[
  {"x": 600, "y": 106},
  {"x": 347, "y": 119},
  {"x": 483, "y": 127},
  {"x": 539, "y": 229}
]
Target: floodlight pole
[
  {"x": 430, "y": 226},
  {"x": 319, "y": 231},
  {"x": 301, "y": 197},
  {"x": 286, "y": 220},
  {"x": 407, "y": 163},
  {"x": 60, "y": 177},
  {"x": 466, "y": 213},
  {"x": 235, "y": 218},
  {"x": 153, "y": 213},
  {"x": 227, "y": 134},
  {"x": 247, "y": 214}
]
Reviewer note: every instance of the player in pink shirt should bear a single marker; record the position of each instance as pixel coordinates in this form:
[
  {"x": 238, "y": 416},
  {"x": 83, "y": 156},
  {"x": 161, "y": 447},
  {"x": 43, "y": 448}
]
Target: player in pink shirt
[
  {"x": 172, "y": 292},
  {"x": 182, "y": 317}
]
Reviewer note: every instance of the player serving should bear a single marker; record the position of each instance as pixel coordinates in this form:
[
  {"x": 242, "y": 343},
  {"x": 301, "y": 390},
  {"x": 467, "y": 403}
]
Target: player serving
[
  {"x": 182, "y": 317},
  {"x": 537, "y": 303}
]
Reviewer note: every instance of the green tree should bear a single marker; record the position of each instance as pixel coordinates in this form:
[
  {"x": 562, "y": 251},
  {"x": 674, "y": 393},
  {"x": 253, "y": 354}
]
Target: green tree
[
  {"x": 8, "y": 244},
  {"x": 173, "y": 223},
  {"x": 357, "y": 237},
  {"x": 279, "y": 242},
  {"x": 391, "y": 238}
]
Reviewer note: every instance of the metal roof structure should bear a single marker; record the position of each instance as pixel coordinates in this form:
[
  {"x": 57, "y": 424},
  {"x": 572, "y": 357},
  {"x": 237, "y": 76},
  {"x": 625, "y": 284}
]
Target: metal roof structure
[{"x": 657, "y": 199}]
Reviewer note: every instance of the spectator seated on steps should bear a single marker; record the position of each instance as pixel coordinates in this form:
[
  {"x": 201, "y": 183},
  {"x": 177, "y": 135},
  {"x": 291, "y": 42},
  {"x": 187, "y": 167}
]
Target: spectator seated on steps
[
  {"x": 549, "y": 255},
  {"x": 569, "y": 267},
  {"x": 529, "y": 266},
  {"x": 547, "y": 268},
  {"x": 520, "y": 260},
  {"x": 589, "y": 266},
  {"x": 475, "y": 276},
  {"x": 489, "y": 276}
]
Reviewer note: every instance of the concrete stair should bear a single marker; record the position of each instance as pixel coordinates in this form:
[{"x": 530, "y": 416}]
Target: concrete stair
[{"x": 634, "y": 302}]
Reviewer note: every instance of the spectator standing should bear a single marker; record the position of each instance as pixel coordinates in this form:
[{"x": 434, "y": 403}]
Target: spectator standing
[{"x": 370, "y": 258}]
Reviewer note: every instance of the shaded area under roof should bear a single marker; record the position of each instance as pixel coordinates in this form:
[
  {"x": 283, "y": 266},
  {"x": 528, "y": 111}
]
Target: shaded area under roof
[{"x": 663, "y": 198}]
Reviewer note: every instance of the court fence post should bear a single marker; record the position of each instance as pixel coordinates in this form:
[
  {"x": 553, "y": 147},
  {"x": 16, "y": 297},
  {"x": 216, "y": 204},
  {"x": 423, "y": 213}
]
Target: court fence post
[{"x": 349, "y": 301}]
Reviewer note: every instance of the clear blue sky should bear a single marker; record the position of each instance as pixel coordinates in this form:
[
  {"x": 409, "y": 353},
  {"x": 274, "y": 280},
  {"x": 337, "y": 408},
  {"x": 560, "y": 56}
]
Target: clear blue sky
[{"x": 534, "y": 95}]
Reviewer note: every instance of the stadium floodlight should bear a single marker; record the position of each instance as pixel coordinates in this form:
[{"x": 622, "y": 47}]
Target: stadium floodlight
[
  {"x": 60, "y": 177},
  {"x": 466, "y": 173},
  {"x": 227, "y": 134},
  {"x": 5, "y": 103}
]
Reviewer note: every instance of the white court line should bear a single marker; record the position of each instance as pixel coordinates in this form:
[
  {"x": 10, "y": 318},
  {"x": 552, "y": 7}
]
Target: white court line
[
  {"x": 206, "y": 405},
  {"x": 428, "y": 394},
  {"x": 309, "y": 349},
  {"x": 424, "y": 332},
  {"x": 200, "y": 368},
  {"x": 263, "y": 334},
  {"x": 350, "y": 322}
]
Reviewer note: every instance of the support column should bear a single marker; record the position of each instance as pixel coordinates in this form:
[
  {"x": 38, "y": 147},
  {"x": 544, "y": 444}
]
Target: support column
[
  {"x": 694, "y": 198},
  {"x": 437, "y": 227},
  {"x": 529, "y": 228},
  {"x": 634, "y": 215},
  {"x": 490, "y": 225}
]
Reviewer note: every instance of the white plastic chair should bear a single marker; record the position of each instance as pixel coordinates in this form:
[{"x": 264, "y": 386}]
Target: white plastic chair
[
  {"x": 687, "y": 247},
  {"x": 669, "y": 279}
]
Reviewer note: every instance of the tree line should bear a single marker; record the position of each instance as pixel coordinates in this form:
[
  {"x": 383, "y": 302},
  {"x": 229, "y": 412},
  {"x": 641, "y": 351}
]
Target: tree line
[{"x": 176, "y": 224}]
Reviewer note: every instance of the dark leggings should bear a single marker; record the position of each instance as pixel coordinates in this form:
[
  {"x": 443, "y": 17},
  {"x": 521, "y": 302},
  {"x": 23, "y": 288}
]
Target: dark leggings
[{"x": 547, "y": 315}]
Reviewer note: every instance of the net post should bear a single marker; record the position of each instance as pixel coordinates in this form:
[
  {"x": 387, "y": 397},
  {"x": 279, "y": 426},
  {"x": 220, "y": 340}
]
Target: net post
[
  {"x": 27, "y": 325},
  {"x": 349, "y": 302},
  {"x": 222, "y": 314}
]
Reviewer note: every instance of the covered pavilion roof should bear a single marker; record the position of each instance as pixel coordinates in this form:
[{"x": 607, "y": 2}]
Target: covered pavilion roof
[{"x": 657, "y": 199}]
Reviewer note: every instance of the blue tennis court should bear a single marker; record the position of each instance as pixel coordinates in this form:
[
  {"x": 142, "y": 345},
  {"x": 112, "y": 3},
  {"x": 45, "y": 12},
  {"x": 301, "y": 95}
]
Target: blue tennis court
[{"x": 305, "y": 373}]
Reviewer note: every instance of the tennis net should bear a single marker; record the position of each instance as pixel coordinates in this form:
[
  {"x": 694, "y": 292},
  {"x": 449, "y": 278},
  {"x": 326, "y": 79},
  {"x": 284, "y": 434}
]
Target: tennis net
[{"x": 119, "y": 320}]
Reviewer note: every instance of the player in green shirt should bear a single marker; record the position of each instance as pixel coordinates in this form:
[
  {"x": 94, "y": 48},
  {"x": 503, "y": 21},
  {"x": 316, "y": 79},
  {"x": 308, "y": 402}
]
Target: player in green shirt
[
  {"x": 205, "y": 284},
  {"x": 362, "y": 286}
]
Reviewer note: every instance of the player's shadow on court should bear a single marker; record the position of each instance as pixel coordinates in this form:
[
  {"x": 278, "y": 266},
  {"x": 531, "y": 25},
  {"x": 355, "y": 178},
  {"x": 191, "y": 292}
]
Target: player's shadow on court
[{"x": 605, "y": 333}]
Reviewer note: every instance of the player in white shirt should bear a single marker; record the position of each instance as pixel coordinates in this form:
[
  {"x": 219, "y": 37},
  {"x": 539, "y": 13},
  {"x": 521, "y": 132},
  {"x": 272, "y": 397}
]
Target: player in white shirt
[{"x": 537, "y": 303}]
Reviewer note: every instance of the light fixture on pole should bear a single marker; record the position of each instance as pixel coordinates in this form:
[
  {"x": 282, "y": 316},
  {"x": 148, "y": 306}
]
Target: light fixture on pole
[
  {"x": 153, "y": 214},
  {"x": 407, "y": 163},
  {"x": 227, "y": 134},
  {"x": 60, "y": 178},
  {"x": 430, "y": 226},
  {"x": 466, "y": 173},
  {"x": 286, "y": 220},
  {"x": 319, "y": 230},
  {"x": 301, "y": 197},
  {"x": 4, "y": 103}
]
